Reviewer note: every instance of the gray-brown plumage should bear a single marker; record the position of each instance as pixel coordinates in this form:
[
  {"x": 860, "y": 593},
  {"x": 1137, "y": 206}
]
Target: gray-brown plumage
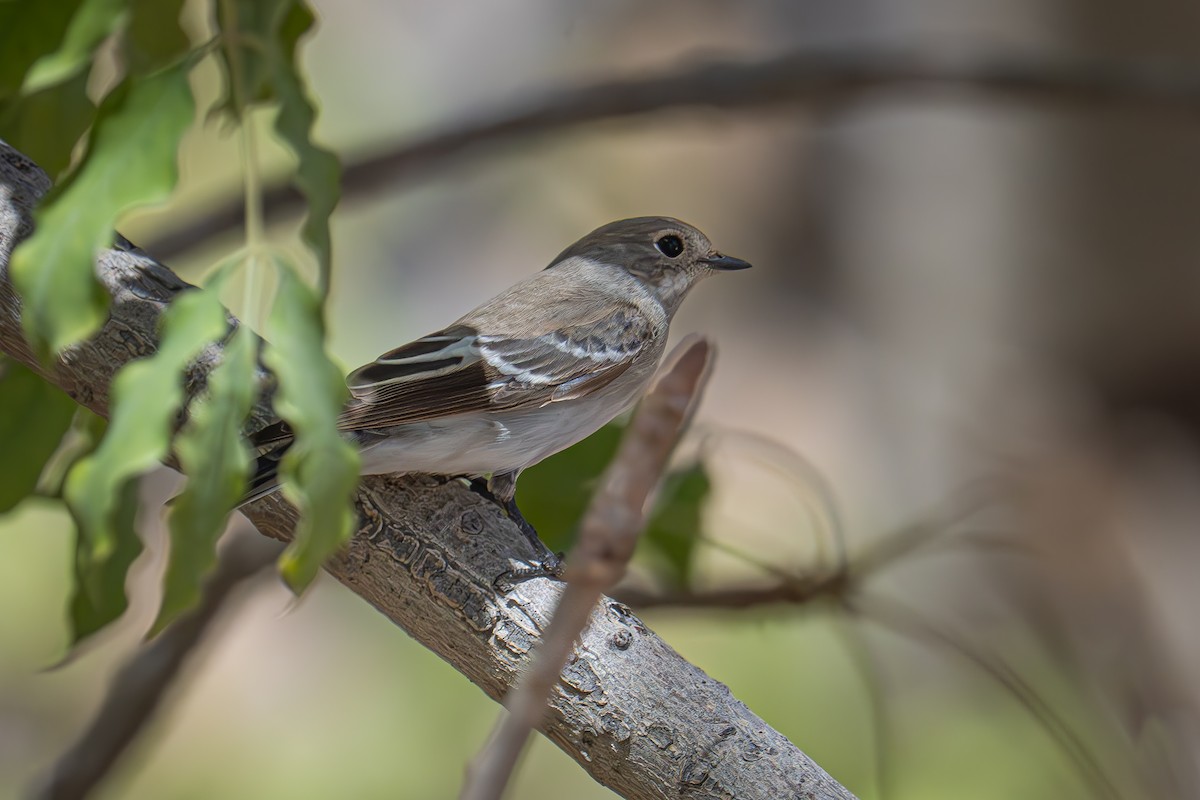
[{"x": 530, "y": 372}]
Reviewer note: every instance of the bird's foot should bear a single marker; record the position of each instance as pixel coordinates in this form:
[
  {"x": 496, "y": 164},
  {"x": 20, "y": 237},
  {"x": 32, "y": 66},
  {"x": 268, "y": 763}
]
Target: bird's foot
[
  {"x": 552, "y": 567},
  {"x": 551, "y": 563}
]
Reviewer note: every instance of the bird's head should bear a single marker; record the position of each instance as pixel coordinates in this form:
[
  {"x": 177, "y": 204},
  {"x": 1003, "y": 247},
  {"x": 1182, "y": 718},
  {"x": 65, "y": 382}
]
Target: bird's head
[{"x": 666, "y": 255}]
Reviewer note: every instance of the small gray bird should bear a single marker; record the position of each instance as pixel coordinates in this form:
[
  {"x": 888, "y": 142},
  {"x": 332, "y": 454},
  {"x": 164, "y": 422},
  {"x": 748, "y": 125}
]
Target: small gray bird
[{"x": 528, "y": 373}]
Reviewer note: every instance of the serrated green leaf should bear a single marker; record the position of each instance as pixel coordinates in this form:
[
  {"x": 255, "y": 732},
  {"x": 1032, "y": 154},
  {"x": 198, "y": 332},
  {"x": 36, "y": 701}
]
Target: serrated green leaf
[
  {"x": 320, "y": 470},
  {"x": 216, "y": 459},
  {"x": 33, "y": 418},
  {"x": 154, "y": 37},
  {"x": 318, "y": 172},
  {"x": 131, "y": 162},
  {"x": 269, "y": 72},
  {"x": 554, "y": 493},
  {"x": 47, "y": 124},
  {"x": 99, "y": 596},
  {"x": 29, "y": 29},
  {"x": 146, "y": 398},
  {"x": 93, "y": 22},
  {"x": 673, "y": 529}
]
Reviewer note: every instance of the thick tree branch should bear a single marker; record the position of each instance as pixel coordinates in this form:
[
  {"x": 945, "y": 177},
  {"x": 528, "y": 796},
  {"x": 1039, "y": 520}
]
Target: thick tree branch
[
  {"x": 634, "y": 714},
  {"x": 816, "y": 81}
]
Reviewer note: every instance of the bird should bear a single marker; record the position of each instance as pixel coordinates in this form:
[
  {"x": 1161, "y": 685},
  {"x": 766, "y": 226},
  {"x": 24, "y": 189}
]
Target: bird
[{"x": 526, "y": 374}]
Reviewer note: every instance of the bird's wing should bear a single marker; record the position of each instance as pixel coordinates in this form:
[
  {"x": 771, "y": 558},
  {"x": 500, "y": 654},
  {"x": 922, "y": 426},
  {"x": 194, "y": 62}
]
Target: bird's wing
[{"x": 460, "y": 370}]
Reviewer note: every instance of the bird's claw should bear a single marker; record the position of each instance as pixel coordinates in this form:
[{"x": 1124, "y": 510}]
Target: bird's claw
[{"x": 551, "y": 567}]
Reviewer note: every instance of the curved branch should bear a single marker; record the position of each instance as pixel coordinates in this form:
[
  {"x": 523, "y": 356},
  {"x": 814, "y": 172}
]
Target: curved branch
[
  {"x": 634, "y": 714},
  {"x": 820, "y": 82}
]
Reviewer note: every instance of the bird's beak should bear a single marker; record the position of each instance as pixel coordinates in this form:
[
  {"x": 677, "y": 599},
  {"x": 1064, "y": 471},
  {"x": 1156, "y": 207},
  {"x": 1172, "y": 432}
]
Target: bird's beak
[{"x": 725, "y": 263}]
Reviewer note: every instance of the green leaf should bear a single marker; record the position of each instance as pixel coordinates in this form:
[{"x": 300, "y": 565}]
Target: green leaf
[
  {"x": 250, "y": 42},
  {"x": 320, "y": 470},
  {"x": 553, "y": 494},
  {"x": 268, "y": 71},
  {"x": 99, "y": 596},
  {"x": 131, "y": 161},
  {"x": 33, "y": 418},
  {"x": 674, "y": 527},
  {"x": 154, "y": 37},
  {"x": 29, "y": 29},
  {"x": 318, "y": 172},
  {"x": 47, "y": 124},
  {"x": 94, "y": 22},
  {"x": 86, "y": 430},
  {"x": 216, "y": 459},
  {"x": 146, "y": 398},
  {"x": 46, "y": 121}
]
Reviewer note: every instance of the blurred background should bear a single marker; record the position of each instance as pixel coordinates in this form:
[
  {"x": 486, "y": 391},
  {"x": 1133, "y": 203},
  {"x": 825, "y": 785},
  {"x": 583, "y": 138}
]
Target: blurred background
[{"x": 969, "y": 352}]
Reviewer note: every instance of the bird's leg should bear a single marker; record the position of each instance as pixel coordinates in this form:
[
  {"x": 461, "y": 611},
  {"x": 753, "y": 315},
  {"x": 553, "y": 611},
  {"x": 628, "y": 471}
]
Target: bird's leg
[{"x": 502, "y": 490}]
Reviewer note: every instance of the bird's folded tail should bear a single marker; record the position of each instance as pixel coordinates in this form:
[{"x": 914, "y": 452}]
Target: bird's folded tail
[{"x": 265, "y": 478}]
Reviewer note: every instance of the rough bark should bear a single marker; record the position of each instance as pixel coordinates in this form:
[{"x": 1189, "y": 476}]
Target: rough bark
[{"x": 636, "y": 716}]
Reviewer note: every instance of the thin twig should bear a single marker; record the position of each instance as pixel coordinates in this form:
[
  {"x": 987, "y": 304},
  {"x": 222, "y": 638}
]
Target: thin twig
[
  {"x": 883, "y": 726},
  {"x": 826, "y": 584},
  {"x": 607, "y": 537},
  {"x": 138, "y": 688},
  {"x": 895, "y": 616},
  {"x": 811, "y": 487},
  {"x": 791, "y": 593},
  {"x": 817, "y": 81}
]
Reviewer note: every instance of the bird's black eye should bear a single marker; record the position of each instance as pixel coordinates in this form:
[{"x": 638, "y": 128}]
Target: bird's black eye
[{"x": 670, "y": 245}]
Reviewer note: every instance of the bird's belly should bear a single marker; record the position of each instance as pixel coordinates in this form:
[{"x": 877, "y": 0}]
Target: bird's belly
[{"x": 479, "y": 444}]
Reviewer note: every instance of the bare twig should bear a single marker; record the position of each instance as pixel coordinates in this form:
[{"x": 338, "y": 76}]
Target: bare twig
[
  {"x": 790, "y": 593},
  {"x": 644, "y": 721},
  {"x": 837, "y": 583},
  {"x": 607, "y": 537},
  {"x": 814, "y": 80},
  {"x": 139, "y": 687}
]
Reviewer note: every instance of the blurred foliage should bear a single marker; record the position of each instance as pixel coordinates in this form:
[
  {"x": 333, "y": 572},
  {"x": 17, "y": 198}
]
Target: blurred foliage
[
  {"x": 93, "y": 23},
  {"x": 33, "y": 418},
  {"x": 673, "y": 529},
  {"x": 554, "y": 494},
  {"x": 29, "y": 31},
  {"x": 153, "y": 36},
  {"x": 45, "y": 124}
]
